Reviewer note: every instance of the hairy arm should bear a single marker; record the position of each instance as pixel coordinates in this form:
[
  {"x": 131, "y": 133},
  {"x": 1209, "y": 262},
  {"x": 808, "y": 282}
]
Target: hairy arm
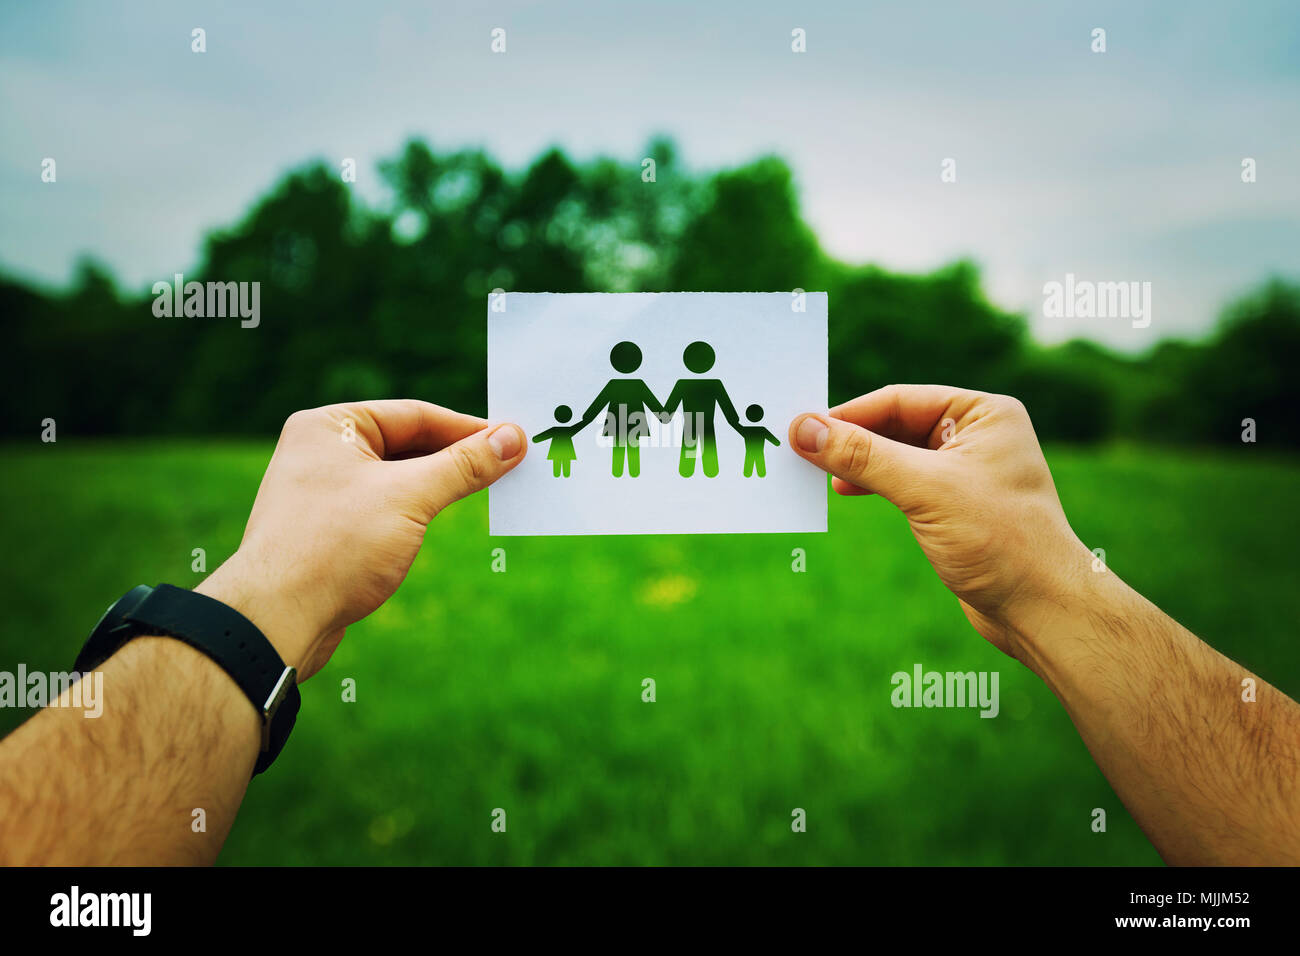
[
  {"x": 1204, "y": 754},
  {"x": 176, "y": 735},
  {"x": 339, "y": 517},
  {"x": 1211, "y": 776}
]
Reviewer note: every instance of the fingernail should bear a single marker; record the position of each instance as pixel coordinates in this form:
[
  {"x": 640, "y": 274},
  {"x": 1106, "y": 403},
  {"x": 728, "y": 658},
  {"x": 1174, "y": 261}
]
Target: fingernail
[
  {"x": 811, "y": 434},
  {"x": 505, "y": 442}
]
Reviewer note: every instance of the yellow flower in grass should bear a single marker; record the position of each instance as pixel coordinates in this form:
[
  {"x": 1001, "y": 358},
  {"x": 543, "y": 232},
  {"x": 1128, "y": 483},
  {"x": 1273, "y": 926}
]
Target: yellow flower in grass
[{"x": 668, "y": 590}]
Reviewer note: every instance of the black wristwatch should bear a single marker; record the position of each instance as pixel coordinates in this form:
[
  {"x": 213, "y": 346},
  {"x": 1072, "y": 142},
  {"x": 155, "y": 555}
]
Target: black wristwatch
[{"x": 220, "y": 632}]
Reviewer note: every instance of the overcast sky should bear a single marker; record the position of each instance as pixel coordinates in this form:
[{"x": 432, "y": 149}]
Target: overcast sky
[{"x": 1117, "y": 166}]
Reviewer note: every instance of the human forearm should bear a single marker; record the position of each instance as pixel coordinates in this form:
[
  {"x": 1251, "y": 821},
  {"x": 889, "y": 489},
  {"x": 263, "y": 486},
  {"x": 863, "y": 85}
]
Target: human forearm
[
  {"x": 176, "y": 735},
  {"x": 1211, "y": 778},
  {"x": 340, "y": 515}
]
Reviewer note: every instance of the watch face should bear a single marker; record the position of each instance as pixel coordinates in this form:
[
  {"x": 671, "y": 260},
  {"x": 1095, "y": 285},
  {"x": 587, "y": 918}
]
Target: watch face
[
  {"x": 113, "y": 618},
  {"x": 108, "y": 613},
  {"x": 126, "y": 603}
]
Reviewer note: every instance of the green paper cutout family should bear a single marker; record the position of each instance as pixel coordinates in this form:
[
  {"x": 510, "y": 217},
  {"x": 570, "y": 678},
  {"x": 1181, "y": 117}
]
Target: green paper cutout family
[{"x": 628, "y": 400}]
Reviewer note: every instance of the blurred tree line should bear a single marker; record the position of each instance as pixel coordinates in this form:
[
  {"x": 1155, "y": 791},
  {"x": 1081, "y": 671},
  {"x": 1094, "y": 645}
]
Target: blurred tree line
[{"x": 363, "y": 303}]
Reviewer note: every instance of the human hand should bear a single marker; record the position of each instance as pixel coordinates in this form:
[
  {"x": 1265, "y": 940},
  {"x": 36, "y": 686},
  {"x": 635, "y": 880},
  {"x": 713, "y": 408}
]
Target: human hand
[
  {"x": 966, "y": 469},
  {"x": 342, "y": 511}
]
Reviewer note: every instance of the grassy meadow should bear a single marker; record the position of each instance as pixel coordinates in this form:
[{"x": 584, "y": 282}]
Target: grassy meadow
[{"x": 522, "y": 690}]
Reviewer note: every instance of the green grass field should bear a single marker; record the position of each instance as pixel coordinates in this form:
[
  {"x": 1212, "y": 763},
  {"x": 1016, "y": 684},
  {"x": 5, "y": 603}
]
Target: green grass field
[{"x": 522, "y": 690}]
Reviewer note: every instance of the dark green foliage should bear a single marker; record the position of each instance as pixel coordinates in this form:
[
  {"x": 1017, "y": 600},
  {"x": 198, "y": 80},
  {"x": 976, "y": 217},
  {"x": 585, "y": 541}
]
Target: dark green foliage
[
  {"x": 888, "y": 328},
  {"x": 362, "y": 303}
]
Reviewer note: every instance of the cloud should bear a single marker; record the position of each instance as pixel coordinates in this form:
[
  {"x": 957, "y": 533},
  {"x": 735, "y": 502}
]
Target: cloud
[{"x": 1121, "y": 165}]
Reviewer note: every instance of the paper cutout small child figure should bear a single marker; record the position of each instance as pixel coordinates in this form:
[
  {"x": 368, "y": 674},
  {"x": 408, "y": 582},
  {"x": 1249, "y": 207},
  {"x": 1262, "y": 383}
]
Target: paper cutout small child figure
[
  {"x": 756, "y": 437},
  {"x": 561, "y": 452}
]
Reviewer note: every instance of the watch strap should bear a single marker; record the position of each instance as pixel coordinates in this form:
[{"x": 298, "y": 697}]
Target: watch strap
[{"x": 222, "y": 634}]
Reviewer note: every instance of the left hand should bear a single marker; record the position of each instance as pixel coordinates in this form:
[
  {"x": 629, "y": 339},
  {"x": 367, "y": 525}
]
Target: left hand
[{"x": 342, "y": 511}]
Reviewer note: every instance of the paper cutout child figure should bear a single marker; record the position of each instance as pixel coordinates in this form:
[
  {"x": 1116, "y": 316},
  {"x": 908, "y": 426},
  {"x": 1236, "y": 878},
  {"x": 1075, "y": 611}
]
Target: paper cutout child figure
[
  {"x": 561, "y": 452},
  {"x": 756, "y": 437}
]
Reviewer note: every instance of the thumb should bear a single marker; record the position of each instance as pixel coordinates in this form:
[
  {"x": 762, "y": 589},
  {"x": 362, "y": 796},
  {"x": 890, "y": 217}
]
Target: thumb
[
  {"x": 872, "y": 462},
  {"x": 464, "y": 467}
]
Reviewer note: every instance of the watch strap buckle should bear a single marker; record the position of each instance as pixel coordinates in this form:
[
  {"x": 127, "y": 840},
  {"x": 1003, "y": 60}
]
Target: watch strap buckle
[{"x": 273, "y": 701}]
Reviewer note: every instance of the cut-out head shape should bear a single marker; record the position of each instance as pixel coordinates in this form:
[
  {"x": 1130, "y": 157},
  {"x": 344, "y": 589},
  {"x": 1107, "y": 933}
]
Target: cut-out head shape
[
  {"x": 625, "y": 357},
  {"x": 754, "y": 412},
  {"x": 698, "y": 357}
]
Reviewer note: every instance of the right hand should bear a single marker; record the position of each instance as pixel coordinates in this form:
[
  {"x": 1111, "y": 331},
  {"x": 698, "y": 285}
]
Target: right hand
[{"x": 966, "y": 469}]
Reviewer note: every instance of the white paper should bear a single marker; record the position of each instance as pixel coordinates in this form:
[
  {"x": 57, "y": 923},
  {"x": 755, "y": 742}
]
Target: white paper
[{"x": 546, "y": 350}]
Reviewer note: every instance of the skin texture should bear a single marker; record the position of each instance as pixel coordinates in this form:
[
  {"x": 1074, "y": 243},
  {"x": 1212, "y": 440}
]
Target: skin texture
[
  {"x": 1210, "y": 778},
  {"x": 339, "y": 517},
  {"x": 337, "y": 523}
]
